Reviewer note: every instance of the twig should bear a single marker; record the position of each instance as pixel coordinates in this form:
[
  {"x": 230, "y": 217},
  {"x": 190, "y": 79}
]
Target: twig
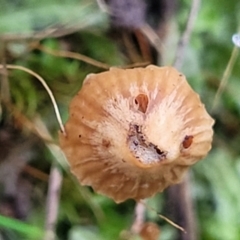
[
  {"x": 225, "y": 77},
  {"x": 186, "y": 35},
  {"x": 134, "y": 65},
  {"x": 164, "y": 218},
  {"x": 36, "y": 173},
  {"x": 55, "y": 183},
  {"x": 152, "y": 37},
  {"x": 131, "y": 48},
  {"x": 103, "y": 6},
  {"x": 73, "y": 55},
  {"x": 5, "y": 93},
  {"x": 143, "y": 44},
  {"x": 172, "y": 223},
  {"x": 45, "y": 86},
  {"x": 78, "y": 56}
]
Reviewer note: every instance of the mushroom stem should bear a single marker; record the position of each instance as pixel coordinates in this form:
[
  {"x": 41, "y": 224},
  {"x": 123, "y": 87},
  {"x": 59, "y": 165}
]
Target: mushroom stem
[{"x": 140, "y": 210}]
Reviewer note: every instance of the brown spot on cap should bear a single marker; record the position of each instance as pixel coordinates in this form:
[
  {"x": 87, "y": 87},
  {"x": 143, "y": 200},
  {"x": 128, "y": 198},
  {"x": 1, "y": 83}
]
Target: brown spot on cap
[
  {"x": 187, "y": 142},
  {"x": 142, "y": 102},
  {"x": 106, "y": 143}
]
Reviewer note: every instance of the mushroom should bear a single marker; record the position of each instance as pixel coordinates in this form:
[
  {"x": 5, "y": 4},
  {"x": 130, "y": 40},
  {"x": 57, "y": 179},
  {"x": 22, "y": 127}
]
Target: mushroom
[{"x": 133, "y": 132}]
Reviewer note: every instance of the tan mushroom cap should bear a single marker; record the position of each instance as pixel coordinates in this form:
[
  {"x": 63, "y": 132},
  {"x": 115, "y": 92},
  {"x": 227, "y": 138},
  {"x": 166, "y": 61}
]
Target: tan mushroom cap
[{"x": 132, "y": 133}]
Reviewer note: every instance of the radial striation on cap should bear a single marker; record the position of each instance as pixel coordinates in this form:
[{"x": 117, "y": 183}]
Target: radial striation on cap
[{"x": 131, "y": 133}]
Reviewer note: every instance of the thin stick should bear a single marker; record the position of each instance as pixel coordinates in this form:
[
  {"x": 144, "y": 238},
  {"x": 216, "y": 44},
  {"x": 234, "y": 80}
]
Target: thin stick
[
  {"x": 55, "y": 183},
  {"x": 134, "y": 65},
  {"x": 131, "y": 48},
  {"x": 47, "y": 89},
  {"x": 5, "y": 93},
  {"x": 36, "y": 173},
  {"x": 152, "y": 37},
  {"x": 172, "y": 223},
  {"x": 164, "y": 218},
  {"x": 225, "y": 77},
  {"x": 103, "y": 6},
  {"x": 73, "y": 55},
  {"x": 78, "y": 56},
  {"x": 187, "y": 33}
]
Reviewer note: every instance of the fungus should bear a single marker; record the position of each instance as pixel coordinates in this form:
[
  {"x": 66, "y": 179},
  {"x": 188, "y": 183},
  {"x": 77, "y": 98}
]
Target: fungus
[{"x": 140, "y": 131}]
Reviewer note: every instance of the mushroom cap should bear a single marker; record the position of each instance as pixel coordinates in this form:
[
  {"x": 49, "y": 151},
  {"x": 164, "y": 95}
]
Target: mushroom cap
[{"x": 131, "y": 133}]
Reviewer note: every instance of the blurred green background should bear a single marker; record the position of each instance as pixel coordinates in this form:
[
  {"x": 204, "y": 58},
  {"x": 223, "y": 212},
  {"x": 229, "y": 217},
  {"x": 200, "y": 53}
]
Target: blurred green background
[{"x": 29, "y": 31}]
